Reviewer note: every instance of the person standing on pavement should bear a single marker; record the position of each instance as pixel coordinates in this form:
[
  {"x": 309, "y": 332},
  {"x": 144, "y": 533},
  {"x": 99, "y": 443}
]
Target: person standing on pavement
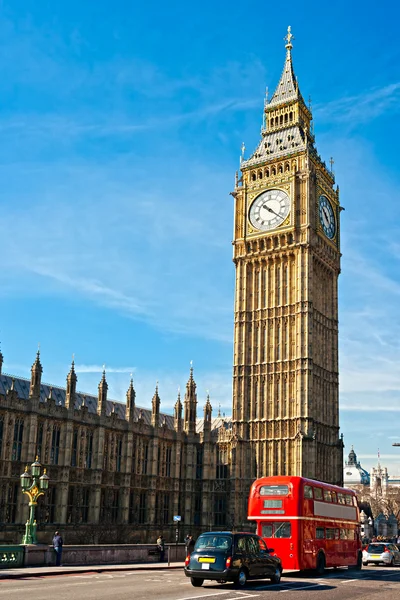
[
  {"x": 161, "y": 547},
  {"x": 189, "y": 543},
  {"x": 58, "y": 546}
]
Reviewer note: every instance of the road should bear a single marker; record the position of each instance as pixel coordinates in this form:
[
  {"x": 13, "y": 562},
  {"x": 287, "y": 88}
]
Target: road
[{"x": 369, "y": 584}]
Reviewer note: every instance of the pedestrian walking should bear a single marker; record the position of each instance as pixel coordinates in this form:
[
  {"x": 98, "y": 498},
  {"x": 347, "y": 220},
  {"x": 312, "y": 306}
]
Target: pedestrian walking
[
  {"x": 58, "y": 546},
  {"x": 189, "y": 543},
  {"x": 161, "y": 547}
]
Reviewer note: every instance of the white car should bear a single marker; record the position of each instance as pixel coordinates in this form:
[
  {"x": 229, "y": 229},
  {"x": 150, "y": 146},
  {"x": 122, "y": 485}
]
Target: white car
[{"x": 381, "y": 552}]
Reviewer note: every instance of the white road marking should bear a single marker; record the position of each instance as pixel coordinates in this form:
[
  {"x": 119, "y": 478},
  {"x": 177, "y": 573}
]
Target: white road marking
[
  {"x": 248, "y": 596},
  {"x": 206, "y": 595}
]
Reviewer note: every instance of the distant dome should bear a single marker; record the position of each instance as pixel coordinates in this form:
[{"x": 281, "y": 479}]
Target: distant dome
[{"x": 353, "y": 473}]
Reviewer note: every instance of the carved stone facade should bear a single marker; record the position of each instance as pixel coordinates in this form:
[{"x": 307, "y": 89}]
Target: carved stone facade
[
  {"x": 117, "y": 472},
  {"x": 287, "y": 258},
  {"x": 113, "y": 464}
]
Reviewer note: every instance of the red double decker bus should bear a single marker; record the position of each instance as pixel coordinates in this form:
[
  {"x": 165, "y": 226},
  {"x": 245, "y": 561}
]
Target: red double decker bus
[{"x": 310, "y": 524}]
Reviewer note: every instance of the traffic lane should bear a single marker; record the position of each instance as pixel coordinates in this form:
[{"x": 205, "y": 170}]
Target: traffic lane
[{"x": 342, "y": 584}]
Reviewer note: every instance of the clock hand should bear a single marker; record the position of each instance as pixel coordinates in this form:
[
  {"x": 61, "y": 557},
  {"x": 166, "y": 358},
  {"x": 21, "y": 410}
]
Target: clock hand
[
  {"x": 271, "y": 210},
  {"x": 326, "y": 212}
]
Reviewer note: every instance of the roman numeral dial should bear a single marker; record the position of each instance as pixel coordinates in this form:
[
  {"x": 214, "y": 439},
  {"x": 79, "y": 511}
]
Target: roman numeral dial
[{"x": 269, "y": 210}]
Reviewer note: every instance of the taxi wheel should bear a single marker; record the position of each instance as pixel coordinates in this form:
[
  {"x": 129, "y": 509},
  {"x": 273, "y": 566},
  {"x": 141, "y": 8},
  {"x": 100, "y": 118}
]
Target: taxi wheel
[
  {"x": 196, "y": 582},
  {"x": 241, "y": 579},
  {"x": 276, "y": 577}
]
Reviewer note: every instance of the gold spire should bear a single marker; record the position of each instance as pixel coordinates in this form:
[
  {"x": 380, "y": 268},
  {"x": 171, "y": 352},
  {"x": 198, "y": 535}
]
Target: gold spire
[{"x": 288, "y": 38}]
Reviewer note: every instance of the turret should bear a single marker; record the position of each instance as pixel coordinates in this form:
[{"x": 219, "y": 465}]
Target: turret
[
  {"x": 190, "y": 403},
  {"x": 36, "y": 378},
  {"x": 130, "y": 402},
  {"x": 102, "y": 397},
  {"x": 71, "y": 387},
  {"x": 178, "y": 413},
  {"x": 155, "y": 408},
  {"x": 207, "y": 414}
]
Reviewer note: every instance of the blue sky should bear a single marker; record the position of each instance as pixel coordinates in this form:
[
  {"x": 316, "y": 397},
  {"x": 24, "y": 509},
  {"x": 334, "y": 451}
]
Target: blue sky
[{"x": 121, "y": 126}]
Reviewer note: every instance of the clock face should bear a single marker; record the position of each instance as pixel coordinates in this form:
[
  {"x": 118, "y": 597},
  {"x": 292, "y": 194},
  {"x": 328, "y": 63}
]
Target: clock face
[
  {"x": 327, "y": 217},
  {"x": 269, "y": 210}
]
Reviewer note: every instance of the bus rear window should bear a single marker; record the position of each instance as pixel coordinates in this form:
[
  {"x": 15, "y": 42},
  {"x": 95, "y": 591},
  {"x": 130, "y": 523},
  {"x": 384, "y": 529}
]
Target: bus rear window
[
  {"x": 349, "y": 500},
  {"x": 276, "y": 529},
  {"x": 274, "y": 490}
]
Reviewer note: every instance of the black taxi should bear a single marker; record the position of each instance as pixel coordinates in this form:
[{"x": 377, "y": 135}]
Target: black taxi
[{"x": 226, "y": 556}]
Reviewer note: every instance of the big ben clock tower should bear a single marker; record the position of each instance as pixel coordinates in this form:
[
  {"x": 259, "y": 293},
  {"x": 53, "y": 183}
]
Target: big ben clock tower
[{"x": 287, "y": 258}]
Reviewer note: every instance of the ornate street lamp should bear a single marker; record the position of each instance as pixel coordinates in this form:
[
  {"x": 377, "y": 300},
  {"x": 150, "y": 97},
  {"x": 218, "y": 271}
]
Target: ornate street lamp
[{"x": 33, "y": 486}]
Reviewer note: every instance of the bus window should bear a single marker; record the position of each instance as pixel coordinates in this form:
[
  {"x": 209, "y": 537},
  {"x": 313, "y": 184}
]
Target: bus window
[
  {"x": 343, "y": 534},
  {"x": 334, "y": 499},
  {"x": 330, "y": 533},
  {"x": 340, "y": 498},
  {"x": 274, "y": 490},
  {"x": 336, "y": 533},
  {"x": 282, "y": 530},
  {"x": 308, "y": 491},
  {"x": 320, "y": 533},
  {"x": 349, "y": 500},
  {"x": 277, "y": 529},
  {"x": 350, "y": 534},
  {"x": 327, "y": 496},
  {"x": 317, "y": 493},
  {"x": 267, "y": 531},
  {"x": 355, "y": 501}
]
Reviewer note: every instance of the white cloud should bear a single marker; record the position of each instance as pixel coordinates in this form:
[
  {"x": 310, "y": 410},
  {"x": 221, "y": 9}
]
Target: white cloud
[
  {"x": 360, "y": 108},
  {"x": 99, "y": 369}
]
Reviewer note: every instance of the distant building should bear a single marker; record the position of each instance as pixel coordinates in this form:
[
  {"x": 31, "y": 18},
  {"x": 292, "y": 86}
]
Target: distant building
[
  {"x": 354, "y": 476},
  {"x": 375, "y": 486}
]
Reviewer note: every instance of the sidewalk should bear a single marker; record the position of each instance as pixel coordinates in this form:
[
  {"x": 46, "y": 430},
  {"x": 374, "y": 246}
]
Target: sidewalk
[{"x": 51, "y": 571}]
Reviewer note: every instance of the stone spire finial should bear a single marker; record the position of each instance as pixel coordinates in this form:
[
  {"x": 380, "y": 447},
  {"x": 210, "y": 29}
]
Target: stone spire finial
[
  {"x": 1, "y": 361},
  {"x": 207, "y": 413},
  {"x": 155, "y": 408},
  {"x": 12, "y": 392},
  {"x": 130, "y": 402},
  {"x": 70, "y": 395},
  {"x": 178, "y": 412},
  {"x": 102, "y": 397},
  {"x": 36, "y": 377},
  {"x": 190, "y": 404}
]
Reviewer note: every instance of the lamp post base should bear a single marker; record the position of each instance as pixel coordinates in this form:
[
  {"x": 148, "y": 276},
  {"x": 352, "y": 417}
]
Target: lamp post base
[{"x": 30, "y": 534}]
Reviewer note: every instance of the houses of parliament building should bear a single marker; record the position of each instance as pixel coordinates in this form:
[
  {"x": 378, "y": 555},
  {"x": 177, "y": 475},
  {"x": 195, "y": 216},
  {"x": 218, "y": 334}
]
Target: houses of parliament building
[{"x": 122, "y": 471}]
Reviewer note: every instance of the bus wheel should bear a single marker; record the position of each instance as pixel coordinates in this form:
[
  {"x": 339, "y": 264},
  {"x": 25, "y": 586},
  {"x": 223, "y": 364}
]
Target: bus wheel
[{"x": 320, "y": 569}]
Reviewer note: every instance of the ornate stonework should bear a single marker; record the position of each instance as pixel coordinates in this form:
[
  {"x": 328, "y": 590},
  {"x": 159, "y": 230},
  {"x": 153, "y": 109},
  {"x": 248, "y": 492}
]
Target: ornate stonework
[{"x": 287, "y": 258}]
